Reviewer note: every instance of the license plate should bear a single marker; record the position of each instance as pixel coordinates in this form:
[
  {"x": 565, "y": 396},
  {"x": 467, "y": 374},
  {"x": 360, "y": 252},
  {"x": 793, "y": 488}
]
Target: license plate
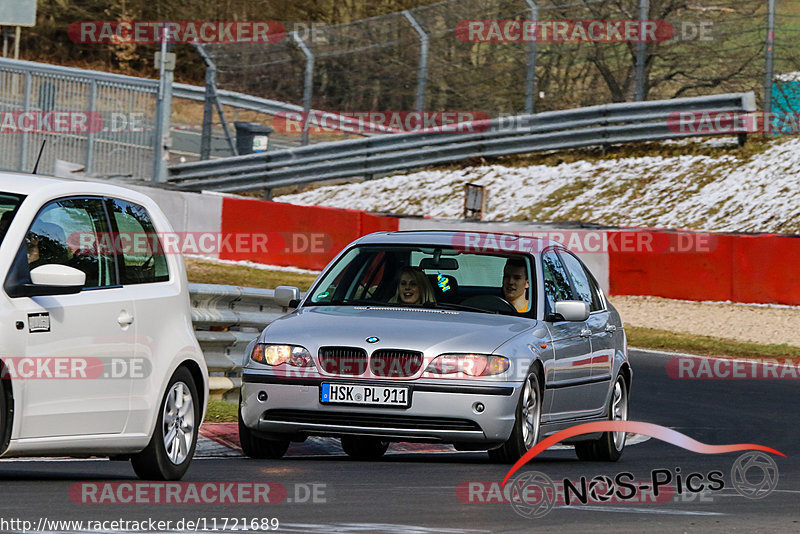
[{"x": 364, "y": 395}]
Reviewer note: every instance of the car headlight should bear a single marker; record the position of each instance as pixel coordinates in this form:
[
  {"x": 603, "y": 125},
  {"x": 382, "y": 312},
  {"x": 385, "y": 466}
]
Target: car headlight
[
  {"x": 274, "y": 355},
  {"x": 469, "y": 364}
]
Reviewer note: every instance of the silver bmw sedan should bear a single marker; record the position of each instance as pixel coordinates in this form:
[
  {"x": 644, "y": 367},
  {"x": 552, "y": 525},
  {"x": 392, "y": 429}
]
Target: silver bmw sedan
[{"x": 483, "y": 341}]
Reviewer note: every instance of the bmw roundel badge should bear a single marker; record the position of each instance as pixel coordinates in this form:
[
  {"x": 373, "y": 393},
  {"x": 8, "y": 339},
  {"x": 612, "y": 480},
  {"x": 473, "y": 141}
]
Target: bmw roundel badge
[{"x": 372, "y": 339}]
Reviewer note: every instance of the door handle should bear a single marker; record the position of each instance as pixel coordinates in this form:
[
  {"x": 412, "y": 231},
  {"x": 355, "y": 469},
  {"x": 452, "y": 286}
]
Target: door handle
[
  {"x": 125, "y": 318},
  {"x": 586, "y": 332},
  {"x": 611, "y": 328}
]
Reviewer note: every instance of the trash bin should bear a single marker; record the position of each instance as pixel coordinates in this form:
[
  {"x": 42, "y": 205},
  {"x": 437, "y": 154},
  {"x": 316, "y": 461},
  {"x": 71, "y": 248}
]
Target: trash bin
[{"x": 251, "y": 137}]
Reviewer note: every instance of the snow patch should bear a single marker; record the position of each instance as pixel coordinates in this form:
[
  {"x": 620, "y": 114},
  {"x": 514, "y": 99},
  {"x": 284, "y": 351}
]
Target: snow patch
[{"x": 724, "y": 193}]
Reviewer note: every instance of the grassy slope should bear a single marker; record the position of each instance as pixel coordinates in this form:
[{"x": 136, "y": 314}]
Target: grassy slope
[{"x": 208, "y": 272}]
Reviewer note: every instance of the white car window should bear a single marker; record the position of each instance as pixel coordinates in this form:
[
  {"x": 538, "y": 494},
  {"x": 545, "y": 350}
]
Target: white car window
[
  {"x": 67, "y": 232},
  {"x": 143, "y": 259}
]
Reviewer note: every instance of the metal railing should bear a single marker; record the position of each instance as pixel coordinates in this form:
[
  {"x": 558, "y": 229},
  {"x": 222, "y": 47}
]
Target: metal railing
[
  {"x": 226, "y": 319},
  {"x": 111, "y": 148},
  {"x": 118, "y": 148},
  {"x": 596, "y": 125}
]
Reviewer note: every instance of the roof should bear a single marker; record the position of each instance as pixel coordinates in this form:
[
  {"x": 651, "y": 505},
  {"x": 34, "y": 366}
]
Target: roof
[
  {"x": 34, "y": 185},
  {"x": 25, "y": 184}
]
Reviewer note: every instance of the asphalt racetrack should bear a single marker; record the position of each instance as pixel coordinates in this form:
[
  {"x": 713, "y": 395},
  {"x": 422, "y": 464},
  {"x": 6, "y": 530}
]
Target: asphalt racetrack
[{"x": 436, "y": 489}]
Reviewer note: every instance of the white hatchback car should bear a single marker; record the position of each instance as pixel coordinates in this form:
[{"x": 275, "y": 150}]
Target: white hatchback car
[{"x": 97, "y": 352}]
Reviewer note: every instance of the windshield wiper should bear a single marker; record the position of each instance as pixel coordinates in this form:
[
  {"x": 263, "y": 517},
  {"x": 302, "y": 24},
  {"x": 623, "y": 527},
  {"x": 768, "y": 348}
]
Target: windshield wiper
[{"x": 351, "y": 302}]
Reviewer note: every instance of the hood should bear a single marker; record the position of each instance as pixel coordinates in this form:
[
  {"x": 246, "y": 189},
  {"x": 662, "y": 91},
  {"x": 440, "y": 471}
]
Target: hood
[{"x": 428, "y": 330}]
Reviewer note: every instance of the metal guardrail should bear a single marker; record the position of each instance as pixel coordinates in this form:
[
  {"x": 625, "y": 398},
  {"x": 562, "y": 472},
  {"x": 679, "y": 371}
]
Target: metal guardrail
[
  {"x": 226, "y": 319},
  {"x": 597, "y": 125}
]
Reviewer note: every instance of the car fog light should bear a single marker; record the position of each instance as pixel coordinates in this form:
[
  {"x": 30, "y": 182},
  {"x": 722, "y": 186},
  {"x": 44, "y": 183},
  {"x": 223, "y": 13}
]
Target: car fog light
[
  {"x": 262, "y": 396},
  {"x": 478, "y": 407}
]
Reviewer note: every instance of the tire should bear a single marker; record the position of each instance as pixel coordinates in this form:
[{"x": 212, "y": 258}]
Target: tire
[
  {"x": 526, "y": 425},
  {"x": 364, "y": 447},
  {"x": 609, "y": 446},
  {"x": 178, "y": 416},
  {"x": 260, "y": 448}
]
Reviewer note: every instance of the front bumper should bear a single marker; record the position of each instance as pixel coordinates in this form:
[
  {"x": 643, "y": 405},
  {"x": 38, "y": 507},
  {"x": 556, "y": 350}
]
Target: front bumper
[{"x": 440, "y": 411}]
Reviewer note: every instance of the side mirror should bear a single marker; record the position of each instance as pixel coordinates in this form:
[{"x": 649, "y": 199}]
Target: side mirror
[
  {"x": 571, "y": 310},
  {"x": 57, "y": 275},
  {"x": 286, "y": 296},
  {"x": 51, "y": 279}
]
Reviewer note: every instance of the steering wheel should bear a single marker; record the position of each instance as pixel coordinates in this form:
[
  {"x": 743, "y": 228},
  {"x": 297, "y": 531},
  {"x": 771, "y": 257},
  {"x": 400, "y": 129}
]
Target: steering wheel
[{"x": 491, "y": 303}]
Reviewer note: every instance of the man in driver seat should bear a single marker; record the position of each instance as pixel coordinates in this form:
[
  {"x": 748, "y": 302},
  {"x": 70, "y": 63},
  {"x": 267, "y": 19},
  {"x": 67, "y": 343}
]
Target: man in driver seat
[{"x": 515, "y": 284}]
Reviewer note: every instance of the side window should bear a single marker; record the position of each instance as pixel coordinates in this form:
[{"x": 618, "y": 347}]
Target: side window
[
  {"x": 583, "y": 285},
  {"x": 66, "y": 232},
  {"x": 142, "y": 256},
  {"x": 556, "y": 280}
]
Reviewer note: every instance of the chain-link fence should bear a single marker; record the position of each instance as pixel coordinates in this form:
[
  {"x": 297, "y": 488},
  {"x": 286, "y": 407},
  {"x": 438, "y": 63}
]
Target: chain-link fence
[{"x": 421, "y": 58}]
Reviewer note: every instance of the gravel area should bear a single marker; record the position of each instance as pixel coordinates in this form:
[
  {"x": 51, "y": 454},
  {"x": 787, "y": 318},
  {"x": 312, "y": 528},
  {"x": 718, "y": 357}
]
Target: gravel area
[{"x": 740, "y": 322}]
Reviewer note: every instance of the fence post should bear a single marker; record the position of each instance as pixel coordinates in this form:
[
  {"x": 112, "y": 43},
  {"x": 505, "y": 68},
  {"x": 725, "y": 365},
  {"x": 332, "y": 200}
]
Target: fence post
[
  {"x": 768, "y": 74},
  {"x": 208, "y": 110},
  {"x": 307, "y": 85},
  {"x": 26, "y": 106},
  {"x": 90, "y": 132},
  {"x": 641, "y": 52},
  {"x": 162, "y": 141},
  {"x": 530, "y": 76},
  {"x": 212, "y": 96},
  {"x": 422, "y": 72}
]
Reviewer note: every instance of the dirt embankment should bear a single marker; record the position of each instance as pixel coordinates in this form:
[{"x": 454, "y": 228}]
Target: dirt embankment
[{"x": 740, "y": 322}]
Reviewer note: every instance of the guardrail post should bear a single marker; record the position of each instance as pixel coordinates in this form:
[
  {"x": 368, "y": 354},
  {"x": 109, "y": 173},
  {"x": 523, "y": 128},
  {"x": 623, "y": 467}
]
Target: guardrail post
[
  {"x": 641, "y": 53},
  {"x": 307, "y": 85},
  {"x": 422, "y": 72},
  {"x": 530, "y": 75}
]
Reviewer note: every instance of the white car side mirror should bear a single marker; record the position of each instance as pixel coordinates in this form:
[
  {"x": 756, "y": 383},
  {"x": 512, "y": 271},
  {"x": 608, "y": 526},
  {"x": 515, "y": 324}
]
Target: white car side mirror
[{"x": 57, "y": 275}]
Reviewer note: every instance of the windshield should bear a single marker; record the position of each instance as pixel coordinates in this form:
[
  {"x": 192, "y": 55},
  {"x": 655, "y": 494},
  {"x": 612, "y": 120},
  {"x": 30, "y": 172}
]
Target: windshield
[
  {"x": 8, "y": 208},
  {"x": 430, "y": 277}
]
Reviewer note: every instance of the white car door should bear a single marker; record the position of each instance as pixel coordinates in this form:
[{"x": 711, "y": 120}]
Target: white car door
[
  {"x": 92, "y": 330},
  {"x": 159, "y": 306}
]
